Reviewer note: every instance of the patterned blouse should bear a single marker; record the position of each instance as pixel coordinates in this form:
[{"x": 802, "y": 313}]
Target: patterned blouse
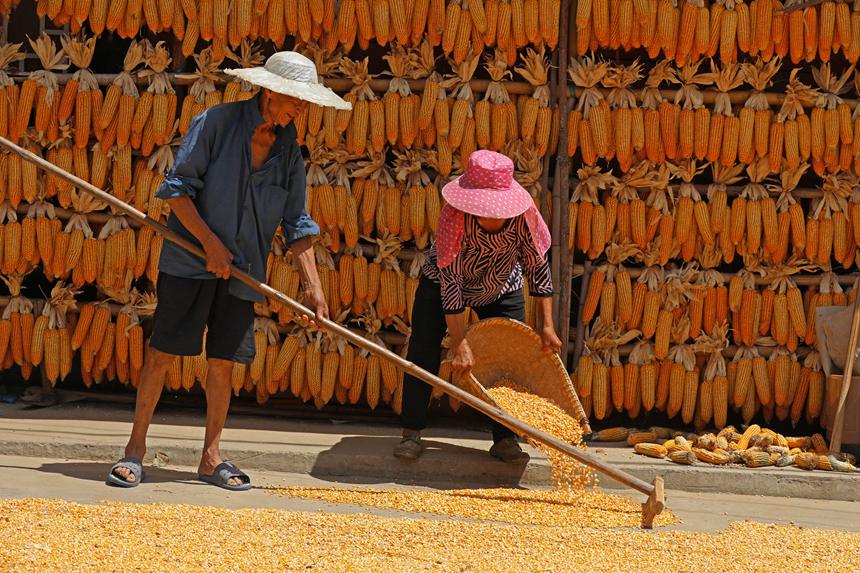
[{"x": 489, "y": 266}]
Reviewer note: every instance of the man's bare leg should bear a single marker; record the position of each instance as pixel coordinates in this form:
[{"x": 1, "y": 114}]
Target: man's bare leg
[
  {"x": 217, "y": 404},
  {"x": 152, "y": 377}
]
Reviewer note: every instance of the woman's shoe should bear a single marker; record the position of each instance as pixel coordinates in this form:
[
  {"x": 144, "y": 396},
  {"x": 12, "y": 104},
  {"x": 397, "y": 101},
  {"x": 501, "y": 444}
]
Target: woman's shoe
[
  {"x": 409, "y": 448},
  {"x": 509, "y": 451}
]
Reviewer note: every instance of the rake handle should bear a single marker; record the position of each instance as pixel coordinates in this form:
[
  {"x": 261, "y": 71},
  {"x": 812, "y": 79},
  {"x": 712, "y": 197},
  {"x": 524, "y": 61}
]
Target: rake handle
[{"x": 493, "y": 412}]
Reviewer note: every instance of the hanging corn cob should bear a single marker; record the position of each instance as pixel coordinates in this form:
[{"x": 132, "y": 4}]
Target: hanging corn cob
[
  {"x": 50, "y": 339},
  {"x": 119, "y": 254},
  {"x": 82, "y": 86},
  {"x": 535, "y": 116},
  {"x": 829, "y": 220},
  {"x": 627, "y": 117},
  {"x": 591, "y": 231},
  {"x": 692, "y": 218},
  {"x": 366, "y": 116},
  {"x": 755, "y": 116},
  {"x": 831, "y": 123},
  {"x": 594, "y": 128},
  {"x": 683, "y": 383},
  {"x": 694, "y": 119},
  {"x": 652, "y": 103},
  {"x": 629, "y": 208},
  {"x": 41, "y": 89},
  {"x": 155, "y": 114},
  {"x": 393, "y": 103},
  {"x": 659, "y": 218},
  {"x": 495, "y": 115},
  {"x": 118, "y": 108}
]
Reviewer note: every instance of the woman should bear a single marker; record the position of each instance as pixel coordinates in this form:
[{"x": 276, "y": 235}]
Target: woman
[{"x": 490, "y": 235}]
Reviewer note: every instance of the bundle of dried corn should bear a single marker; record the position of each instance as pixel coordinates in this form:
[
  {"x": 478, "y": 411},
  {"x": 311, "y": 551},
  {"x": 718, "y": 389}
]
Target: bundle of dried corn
[
  {"x": 202, "y": 94},
  {"x": 535, "y": 114},
  {"x": 828, "y": 231},
  {"x": 120, "y": 252},
  {"x": 51, "y": 340},
  {"x": 390, "y": 299},
  {"x": 408, "y": 167},
  {"x": 16, "y": 326},
  {"x": 237, "y": 89},
  {"x": 681, "y": 393},
  {"x": 41, "y": 88},
  {"x": 610, "y": 285},
  {"x": 692, "y": 217},
  {"x": 155, "y": 116},
  {"x": 713, "y": 398},
  {"x": 625, "y": 209},
  {"x": 594, "y": 127},
  {"x": 590, "y": 214},
  {"x": 831, "y": 124},
  {"x": 660, "y": 219}
]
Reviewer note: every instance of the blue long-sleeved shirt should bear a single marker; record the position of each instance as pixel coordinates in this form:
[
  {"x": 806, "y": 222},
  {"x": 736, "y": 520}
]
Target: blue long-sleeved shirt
[{"x": 243, "y": 207}]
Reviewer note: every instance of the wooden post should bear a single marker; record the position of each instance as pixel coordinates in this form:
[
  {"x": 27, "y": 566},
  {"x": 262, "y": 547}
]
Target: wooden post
[
  {"x": 839, "y": 418},
  {"x": 561, "y": 187},
  {"x": 580, "y": 328},
  {"x": 552, "y": 196}
]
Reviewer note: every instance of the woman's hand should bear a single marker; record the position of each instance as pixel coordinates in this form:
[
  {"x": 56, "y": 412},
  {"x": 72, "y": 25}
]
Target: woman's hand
[
  {"x": 463, "y": 361},
  {"x": 551, "y": 341}
]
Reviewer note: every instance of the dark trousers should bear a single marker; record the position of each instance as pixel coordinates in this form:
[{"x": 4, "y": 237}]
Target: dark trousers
[{"x": 425, "y": 348}]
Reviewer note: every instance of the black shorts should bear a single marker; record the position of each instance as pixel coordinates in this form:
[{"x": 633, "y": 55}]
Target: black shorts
[{"x": 187, "y": 306}]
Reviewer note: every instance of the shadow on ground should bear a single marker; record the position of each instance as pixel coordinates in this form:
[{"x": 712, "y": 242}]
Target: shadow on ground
[
  {"x": 98, "y": 471},
  {"x": 370, "y": 457}
]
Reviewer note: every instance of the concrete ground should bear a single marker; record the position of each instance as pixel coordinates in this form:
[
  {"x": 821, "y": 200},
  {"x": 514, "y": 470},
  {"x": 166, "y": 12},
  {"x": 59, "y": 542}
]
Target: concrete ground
[
  {"x": 83, "y": 481},
  {"x": 334, "y": 450}
]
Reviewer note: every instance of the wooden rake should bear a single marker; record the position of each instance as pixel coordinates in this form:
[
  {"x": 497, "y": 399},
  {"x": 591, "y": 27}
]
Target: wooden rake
[{"x": 652, "y": 507}]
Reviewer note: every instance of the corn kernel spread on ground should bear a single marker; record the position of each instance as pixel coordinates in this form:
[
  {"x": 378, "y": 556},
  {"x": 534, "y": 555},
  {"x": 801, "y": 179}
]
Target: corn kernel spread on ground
[
  {"x": 575, "y": 501},
  {"x": 49, "y": 536}
]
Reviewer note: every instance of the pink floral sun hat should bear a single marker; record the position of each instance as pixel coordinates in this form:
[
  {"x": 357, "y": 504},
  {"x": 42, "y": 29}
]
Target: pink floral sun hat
[{"x": 488, "y": 188}]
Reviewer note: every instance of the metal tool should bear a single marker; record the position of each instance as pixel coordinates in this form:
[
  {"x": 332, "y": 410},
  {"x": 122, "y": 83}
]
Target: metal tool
[{"x": 650, "y": 509}]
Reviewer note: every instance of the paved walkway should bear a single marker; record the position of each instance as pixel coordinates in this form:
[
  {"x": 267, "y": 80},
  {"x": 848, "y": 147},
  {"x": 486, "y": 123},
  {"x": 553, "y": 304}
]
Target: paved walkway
[{"x": 360, "y": 453}]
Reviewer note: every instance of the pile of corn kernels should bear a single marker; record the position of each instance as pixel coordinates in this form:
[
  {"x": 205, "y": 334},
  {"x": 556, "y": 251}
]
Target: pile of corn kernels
[{"x": 47, "y": 535}]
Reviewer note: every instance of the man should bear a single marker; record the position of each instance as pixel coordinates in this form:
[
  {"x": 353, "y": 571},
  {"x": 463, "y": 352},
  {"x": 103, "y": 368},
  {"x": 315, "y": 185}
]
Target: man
[{"x": 238, "y": 175}]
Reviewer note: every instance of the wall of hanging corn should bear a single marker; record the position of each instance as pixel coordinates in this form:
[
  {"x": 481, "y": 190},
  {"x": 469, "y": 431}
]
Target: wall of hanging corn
[{"x": 457, "y": 77}]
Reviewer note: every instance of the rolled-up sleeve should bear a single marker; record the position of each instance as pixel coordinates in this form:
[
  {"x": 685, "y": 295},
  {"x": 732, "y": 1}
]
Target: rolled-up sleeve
[
  {"x": 451, "y": 285},
  {"x": 535, "y": 268},
  {"x": 192, "y": 160},
  {"x": 296, "y": 223}
]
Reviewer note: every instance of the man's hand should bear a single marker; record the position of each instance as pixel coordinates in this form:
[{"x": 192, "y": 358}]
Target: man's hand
[
  {"x": 315, "y": 300},
  {"x": 218, "y": 258},
  {"x": 463, "y": 361},
  {"x": 551, "y": 341}
]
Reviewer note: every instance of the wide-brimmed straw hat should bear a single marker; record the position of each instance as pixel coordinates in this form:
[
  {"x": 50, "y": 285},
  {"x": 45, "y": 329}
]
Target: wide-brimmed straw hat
[
  {"x": 487, "y": 188},
  {"x": 508, "y": 350},
  {"x": 292, "y": 74}
]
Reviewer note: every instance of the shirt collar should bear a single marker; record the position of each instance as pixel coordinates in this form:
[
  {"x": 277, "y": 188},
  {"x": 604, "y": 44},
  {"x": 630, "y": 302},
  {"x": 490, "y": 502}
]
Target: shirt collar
[{"x": 255, "y": 118}]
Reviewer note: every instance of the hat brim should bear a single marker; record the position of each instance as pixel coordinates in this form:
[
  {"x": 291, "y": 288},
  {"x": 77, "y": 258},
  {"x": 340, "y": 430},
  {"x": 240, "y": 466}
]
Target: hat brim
[
  {"x": 313, "y": 93},
  {"x": 491, "y": 203}
]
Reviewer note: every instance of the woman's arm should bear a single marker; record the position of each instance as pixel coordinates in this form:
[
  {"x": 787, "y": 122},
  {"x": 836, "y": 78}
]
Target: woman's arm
[
  {"x": 462, "y": 360},
  {"x": 539, "y": 278},
  {"x": 551, "y": 342}
]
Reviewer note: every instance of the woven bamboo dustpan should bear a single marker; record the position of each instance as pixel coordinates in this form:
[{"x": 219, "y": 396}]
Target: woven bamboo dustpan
[{"x": 506, "y": 349}]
